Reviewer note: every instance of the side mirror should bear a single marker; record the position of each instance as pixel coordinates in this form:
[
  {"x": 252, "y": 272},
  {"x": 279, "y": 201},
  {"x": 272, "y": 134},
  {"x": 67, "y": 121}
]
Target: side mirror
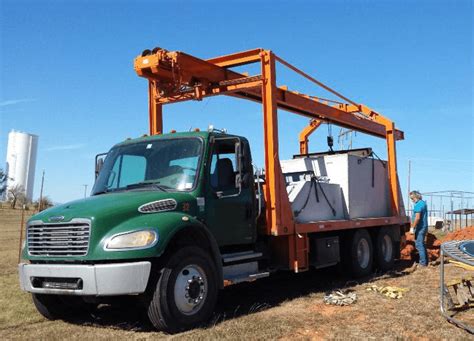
[
  {"x": 239, "y": 160},
  {"x": 238, "y": 156},
  {"x": 99, "y": 163},
  {"x": 247, "y": 180},
  {"x": 238, "y": 180}
]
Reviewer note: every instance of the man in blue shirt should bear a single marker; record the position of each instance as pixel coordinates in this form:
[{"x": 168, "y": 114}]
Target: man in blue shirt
[{"x": 419, "y": 224}]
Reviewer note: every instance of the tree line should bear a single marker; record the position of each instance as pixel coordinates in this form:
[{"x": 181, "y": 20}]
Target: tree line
[{"x": 16, "y": 195}]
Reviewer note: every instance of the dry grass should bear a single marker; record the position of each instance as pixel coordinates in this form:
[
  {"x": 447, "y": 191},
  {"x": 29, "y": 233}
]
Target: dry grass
[{"x": 287, "y": 306}]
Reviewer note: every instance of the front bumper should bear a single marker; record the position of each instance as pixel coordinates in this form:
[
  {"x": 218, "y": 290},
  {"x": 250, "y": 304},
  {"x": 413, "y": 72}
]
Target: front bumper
[{"x": 95, "y": 280}]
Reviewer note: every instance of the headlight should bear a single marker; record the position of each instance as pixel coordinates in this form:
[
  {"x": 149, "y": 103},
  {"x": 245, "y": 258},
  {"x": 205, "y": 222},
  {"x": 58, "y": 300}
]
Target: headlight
[{"x": 132, "y": 240}]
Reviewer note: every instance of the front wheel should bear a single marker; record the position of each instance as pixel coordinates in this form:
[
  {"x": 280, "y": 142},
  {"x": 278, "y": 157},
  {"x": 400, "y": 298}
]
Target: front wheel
[
  {"x": 55, "y": 307},
  {"x": 186, "y": 291}
]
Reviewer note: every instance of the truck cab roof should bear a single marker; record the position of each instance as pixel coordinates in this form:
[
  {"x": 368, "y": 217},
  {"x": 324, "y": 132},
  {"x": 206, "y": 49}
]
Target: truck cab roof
[{"x": 188, "y": 134}]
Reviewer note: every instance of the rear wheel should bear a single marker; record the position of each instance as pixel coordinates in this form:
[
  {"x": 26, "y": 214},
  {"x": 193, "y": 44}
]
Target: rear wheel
[
  {"x": 384, "y": 249},
  {"x": 186, "y": 291},
  {"x": 361, "y": 252}
]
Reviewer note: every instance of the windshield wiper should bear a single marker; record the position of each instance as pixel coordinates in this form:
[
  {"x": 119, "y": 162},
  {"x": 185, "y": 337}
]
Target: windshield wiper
[
  {"x": 148, "y": 184},
  {"x": 107, "y": 190},
  {"x": 102, "y": 192}
]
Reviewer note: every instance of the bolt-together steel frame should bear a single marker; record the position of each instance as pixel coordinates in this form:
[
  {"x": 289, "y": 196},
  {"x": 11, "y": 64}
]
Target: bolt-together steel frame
[{"x": 176, "y": 76}]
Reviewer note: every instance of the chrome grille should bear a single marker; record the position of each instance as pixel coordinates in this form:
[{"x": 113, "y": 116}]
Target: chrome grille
[{"x": 59, "y": 239}]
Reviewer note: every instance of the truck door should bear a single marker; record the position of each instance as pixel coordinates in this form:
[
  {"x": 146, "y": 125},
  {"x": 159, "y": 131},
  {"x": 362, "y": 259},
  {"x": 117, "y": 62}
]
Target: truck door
[{"x": 230, "y": 203}]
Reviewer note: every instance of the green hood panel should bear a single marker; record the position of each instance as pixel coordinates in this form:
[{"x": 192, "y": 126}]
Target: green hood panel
[
  {"x": 115, "y": 213},
  {"x": 106, "y": 206}
]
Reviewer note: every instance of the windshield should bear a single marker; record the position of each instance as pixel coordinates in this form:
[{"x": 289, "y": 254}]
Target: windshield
[{"x": 167, "y": 165}]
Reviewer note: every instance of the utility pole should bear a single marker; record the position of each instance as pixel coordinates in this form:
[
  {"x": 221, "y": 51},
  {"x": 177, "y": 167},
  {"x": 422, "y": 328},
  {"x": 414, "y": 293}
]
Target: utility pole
[
  {"x": 409, "y": 173},
  {"x": 452, "y": 209},
  {"x": 431, "y": 204},
  {"x": 345, "y": 134},
  {"x": 441, "y": 214},
  {"x": 40, "y": 204},
  {"x": 85, "y": 190}
]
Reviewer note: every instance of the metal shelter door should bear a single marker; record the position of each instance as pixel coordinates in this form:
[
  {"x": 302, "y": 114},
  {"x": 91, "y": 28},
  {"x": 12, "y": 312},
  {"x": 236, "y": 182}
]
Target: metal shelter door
[{"x": 229, "y": 207}]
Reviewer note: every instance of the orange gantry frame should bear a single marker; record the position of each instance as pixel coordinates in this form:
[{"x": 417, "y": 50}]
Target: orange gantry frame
[
  {"x": 177, "y": 76},
  {"x": 304, "y": 134}
]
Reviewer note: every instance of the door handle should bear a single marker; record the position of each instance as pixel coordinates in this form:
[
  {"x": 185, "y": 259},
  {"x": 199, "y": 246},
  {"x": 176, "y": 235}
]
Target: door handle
[{"x": 248, "y": 211}]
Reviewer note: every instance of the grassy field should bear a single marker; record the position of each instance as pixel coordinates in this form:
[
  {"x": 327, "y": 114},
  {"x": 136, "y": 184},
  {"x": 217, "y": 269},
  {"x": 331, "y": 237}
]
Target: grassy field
[{"x": 287, "y": 306}]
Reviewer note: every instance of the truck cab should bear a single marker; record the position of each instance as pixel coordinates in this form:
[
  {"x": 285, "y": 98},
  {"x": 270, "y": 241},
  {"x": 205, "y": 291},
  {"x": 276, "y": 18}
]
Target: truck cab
[
  {"x": 166, "y": 206},
  {"x": 206, "y": 175}
]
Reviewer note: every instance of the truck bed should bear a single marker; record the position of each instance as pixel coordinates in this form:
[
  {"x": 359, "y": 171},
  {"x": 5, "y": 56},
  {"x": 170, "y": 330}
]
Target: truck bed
[{"x": 333, "y": 225}]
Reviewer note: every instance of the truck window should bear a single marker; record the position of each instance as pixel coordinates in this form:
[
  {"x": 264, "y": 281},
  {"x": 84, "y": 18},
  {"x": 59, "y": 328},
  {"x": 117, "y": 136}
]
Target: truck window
[
  {"x": 187, "y": 167},
  {"x": 128, "y": 169},
  {"x": 171, "y": 163},
  {"x": 223, "y": 166},
  {"x": 188, "y": 163}
]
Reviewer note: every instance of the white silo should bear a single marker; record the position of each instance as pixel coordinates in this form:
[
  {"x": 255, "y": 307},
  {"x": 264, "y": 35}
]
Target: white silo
[{"x": 21, "y": 161}]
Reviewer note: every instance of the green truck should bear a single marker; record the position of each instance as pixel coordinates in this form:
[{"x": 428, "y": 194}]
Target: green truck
[
  {"x": 173, "y": 218},
  {"x": 153, "y": 226}
]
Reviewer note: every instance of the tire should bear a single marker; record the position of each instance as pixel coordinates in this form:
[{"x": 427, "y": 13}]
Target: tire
[
  {"x": 361, "y": 254},
  {"x": 55, "y": 307},
  {"x": 384, "y": 249},
  {"x": 186, "y": 292}
]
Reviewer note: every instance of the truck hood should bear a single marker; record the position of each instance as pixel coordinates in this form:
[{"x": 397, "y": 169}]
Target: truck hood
[
  {"x": 115, "y": 213},
  {"x": 111, "y": 208}
]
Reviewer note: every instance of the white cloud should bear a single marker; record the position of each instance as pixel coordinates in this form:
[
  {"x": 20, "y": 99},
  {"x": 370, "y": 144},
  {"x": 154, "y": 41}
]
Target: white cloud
[
  {"x": 66, "y": 147},
  {"x": 15, "y": 101}
]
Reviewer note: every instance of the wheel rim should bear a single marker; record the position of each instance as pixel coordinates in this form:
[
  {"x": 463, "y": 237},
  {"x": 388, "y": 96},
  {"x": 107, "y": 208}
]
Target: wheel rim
[
  {"x": 387, "y": 248},
  {"x": 190, "y": 290},
  {"x": 363, "y": 253}
]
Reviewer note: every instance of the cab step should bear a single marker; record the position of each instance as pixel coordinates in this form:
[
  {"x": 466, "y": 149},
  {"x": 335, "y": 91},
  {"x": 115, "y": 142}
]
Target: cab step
[
  {"x": 245, "y": 278},
  {"x": 243, "y": 272},
  {"x": 239, "y": 256}
]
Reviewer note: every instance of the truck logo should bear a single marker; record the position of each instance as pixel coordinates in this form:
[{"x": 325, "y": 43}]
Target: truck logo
[{"x": 56, "y": 219}]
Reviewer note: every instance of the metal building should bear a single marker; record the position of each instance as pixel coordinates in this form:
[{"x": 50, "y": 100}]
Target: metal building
[{"x": 21, "y": 161}]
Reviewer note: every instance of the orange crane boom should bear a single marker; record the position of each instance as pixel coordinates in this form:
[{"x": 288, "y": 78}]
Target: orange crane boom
[{"x": 176, "y": 76}]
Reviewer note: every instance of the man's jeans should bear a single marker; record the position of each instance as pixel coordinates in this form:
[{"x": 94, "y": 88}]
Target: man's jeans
[{"x": 420, "y": 234}]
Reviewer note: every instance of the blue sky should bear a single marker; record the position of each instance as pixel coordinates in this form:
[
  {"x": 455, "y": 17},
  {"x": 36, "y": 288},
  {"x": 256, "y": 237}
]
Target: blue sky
[{"x": 67, "y": 75}]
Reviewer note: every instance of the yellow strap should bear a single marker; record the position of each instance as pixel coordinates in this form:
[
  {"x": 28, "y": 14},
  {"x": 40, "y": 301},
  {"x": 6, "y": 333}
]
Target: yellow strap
[
  {"x": 461, "y": 265},
  {"x": 389, "y": 291}
]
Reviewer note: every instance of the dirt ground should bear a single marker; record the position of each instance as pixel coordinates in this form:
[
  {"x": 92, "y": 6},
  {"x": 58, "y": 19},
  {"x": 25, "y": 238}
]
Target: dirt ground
[{"x": 286, "y": 306}]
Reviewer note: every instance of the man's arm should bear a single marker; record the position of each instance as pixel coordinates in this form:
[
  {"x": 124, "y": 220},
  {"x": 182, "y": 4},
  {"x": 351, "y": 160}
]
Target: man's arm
[{"x": 415, "y": 222}]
